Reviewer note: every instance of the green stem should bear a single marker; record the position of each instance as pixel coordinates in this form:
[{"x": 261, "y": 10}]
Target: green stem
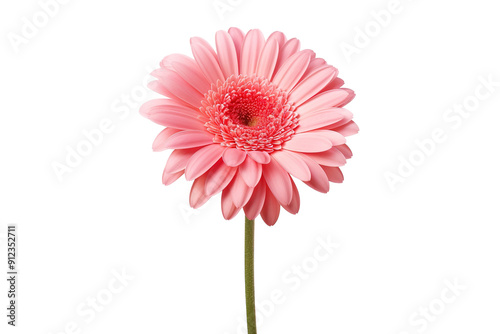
[{"x": 249, "y": 275}]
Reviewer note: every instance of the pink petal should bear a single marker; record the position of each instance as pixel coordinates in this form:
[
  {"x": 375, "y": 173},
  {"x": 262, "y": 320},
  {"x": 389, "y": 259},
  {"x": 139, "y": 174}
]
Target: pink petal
[
  {"x": 334, "y": 137},
  {"x": 308, "y": 142},
  {"x": 178, "y": 120},
  {"x": 188, "y": 69},
  {"x": 319, "y": 180},
  {"x": 193, "y": 76},
  {"x": 314, "y": 65},
  {"x": 206, "y": 59},
  {"x": 176, "y": 85},
  {"x": 268, "y": 58},
  {"x": 279, "y": 37},
  {"x": 293, "y": 164},
  {"x": 238, "y": 36},
  {"x": 160, "y": 142},
  {"x": 325, "y": 100},
  {"x": 278, "y": 181},
  {"x": 271, "y": 209},
  {"x": 348, "y": 129},
  {"x": 234, "y": 157},
  {"x": 311, "y": 85},
  {"x": 260, "y": 157},
  {"x": 188, "y": 139},
  {"x": 292, "y": 70},
  {"x": 294, "y": 205},
  {"x": 333, "y": 157},
  {"x": 229, "y": 211},
  {"x": 346, "y": 118},
  {"x": 169, "y": 178},
  {"x": 158, "y": 87},
  {"x": 197, "y": 196},
  {"x": 228, "y": 58},
  {"x": 157, "y": 106},
  {"x": 254, "y": 206},
  {"x": 218, "y": 177},
  {"x": 168, "y": 60},
  {"x": 346, "y": 151},
  {"x": 334, "y": 174},
  {"x": 317, "y": 120},
  {"x": 178, "y": 159},
  {"x": 240, "y": 192},
  {"x": 250, "y": 171},
  {"x": 352, "y": 95},
  {"x": 158, "y": 111},
  {"x": 250, "y": 52},
  {"x": 291, "y": 47},
  {"x": 333, "y": 84},
  {"x": 203, "y": 160}
]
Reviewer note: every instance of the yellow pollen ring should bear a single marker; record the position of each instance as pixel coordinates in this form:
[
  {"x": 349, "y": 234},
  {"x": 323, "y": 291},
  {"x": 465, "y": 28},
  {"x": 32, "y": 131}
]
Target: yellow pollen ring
[{"x": 253, "y": 121}]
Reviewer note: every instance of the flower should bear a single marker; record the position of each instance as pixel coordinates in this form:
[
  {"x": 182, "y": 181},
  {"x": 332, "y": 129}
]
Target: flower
[{"x": 244, "y": 119}]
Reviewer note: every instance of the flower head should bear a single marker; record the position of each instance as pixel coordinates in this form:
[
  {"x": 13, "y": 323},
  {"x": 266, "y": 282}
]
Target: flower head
[{"x": 246, "y": 118}]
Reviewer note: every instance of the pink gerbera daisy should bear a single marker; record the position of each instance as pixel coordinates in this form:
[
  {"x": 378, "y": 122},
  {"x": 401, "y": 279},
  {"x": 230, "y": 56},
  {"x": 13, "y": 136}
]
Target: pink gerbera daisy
[{"x": 246, "y": 118}]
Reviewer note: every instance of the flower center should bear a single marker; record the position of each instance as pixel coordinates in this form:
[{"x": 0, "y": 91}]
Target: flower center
[{"x": 249, "y": 113}]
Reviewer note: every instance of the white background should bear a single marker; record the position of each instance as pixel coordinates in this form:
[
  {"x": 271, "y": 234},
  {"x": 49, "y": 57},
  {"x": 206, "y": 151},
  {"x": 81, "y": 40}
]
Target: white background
[{"x": 398, "y": 247}]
